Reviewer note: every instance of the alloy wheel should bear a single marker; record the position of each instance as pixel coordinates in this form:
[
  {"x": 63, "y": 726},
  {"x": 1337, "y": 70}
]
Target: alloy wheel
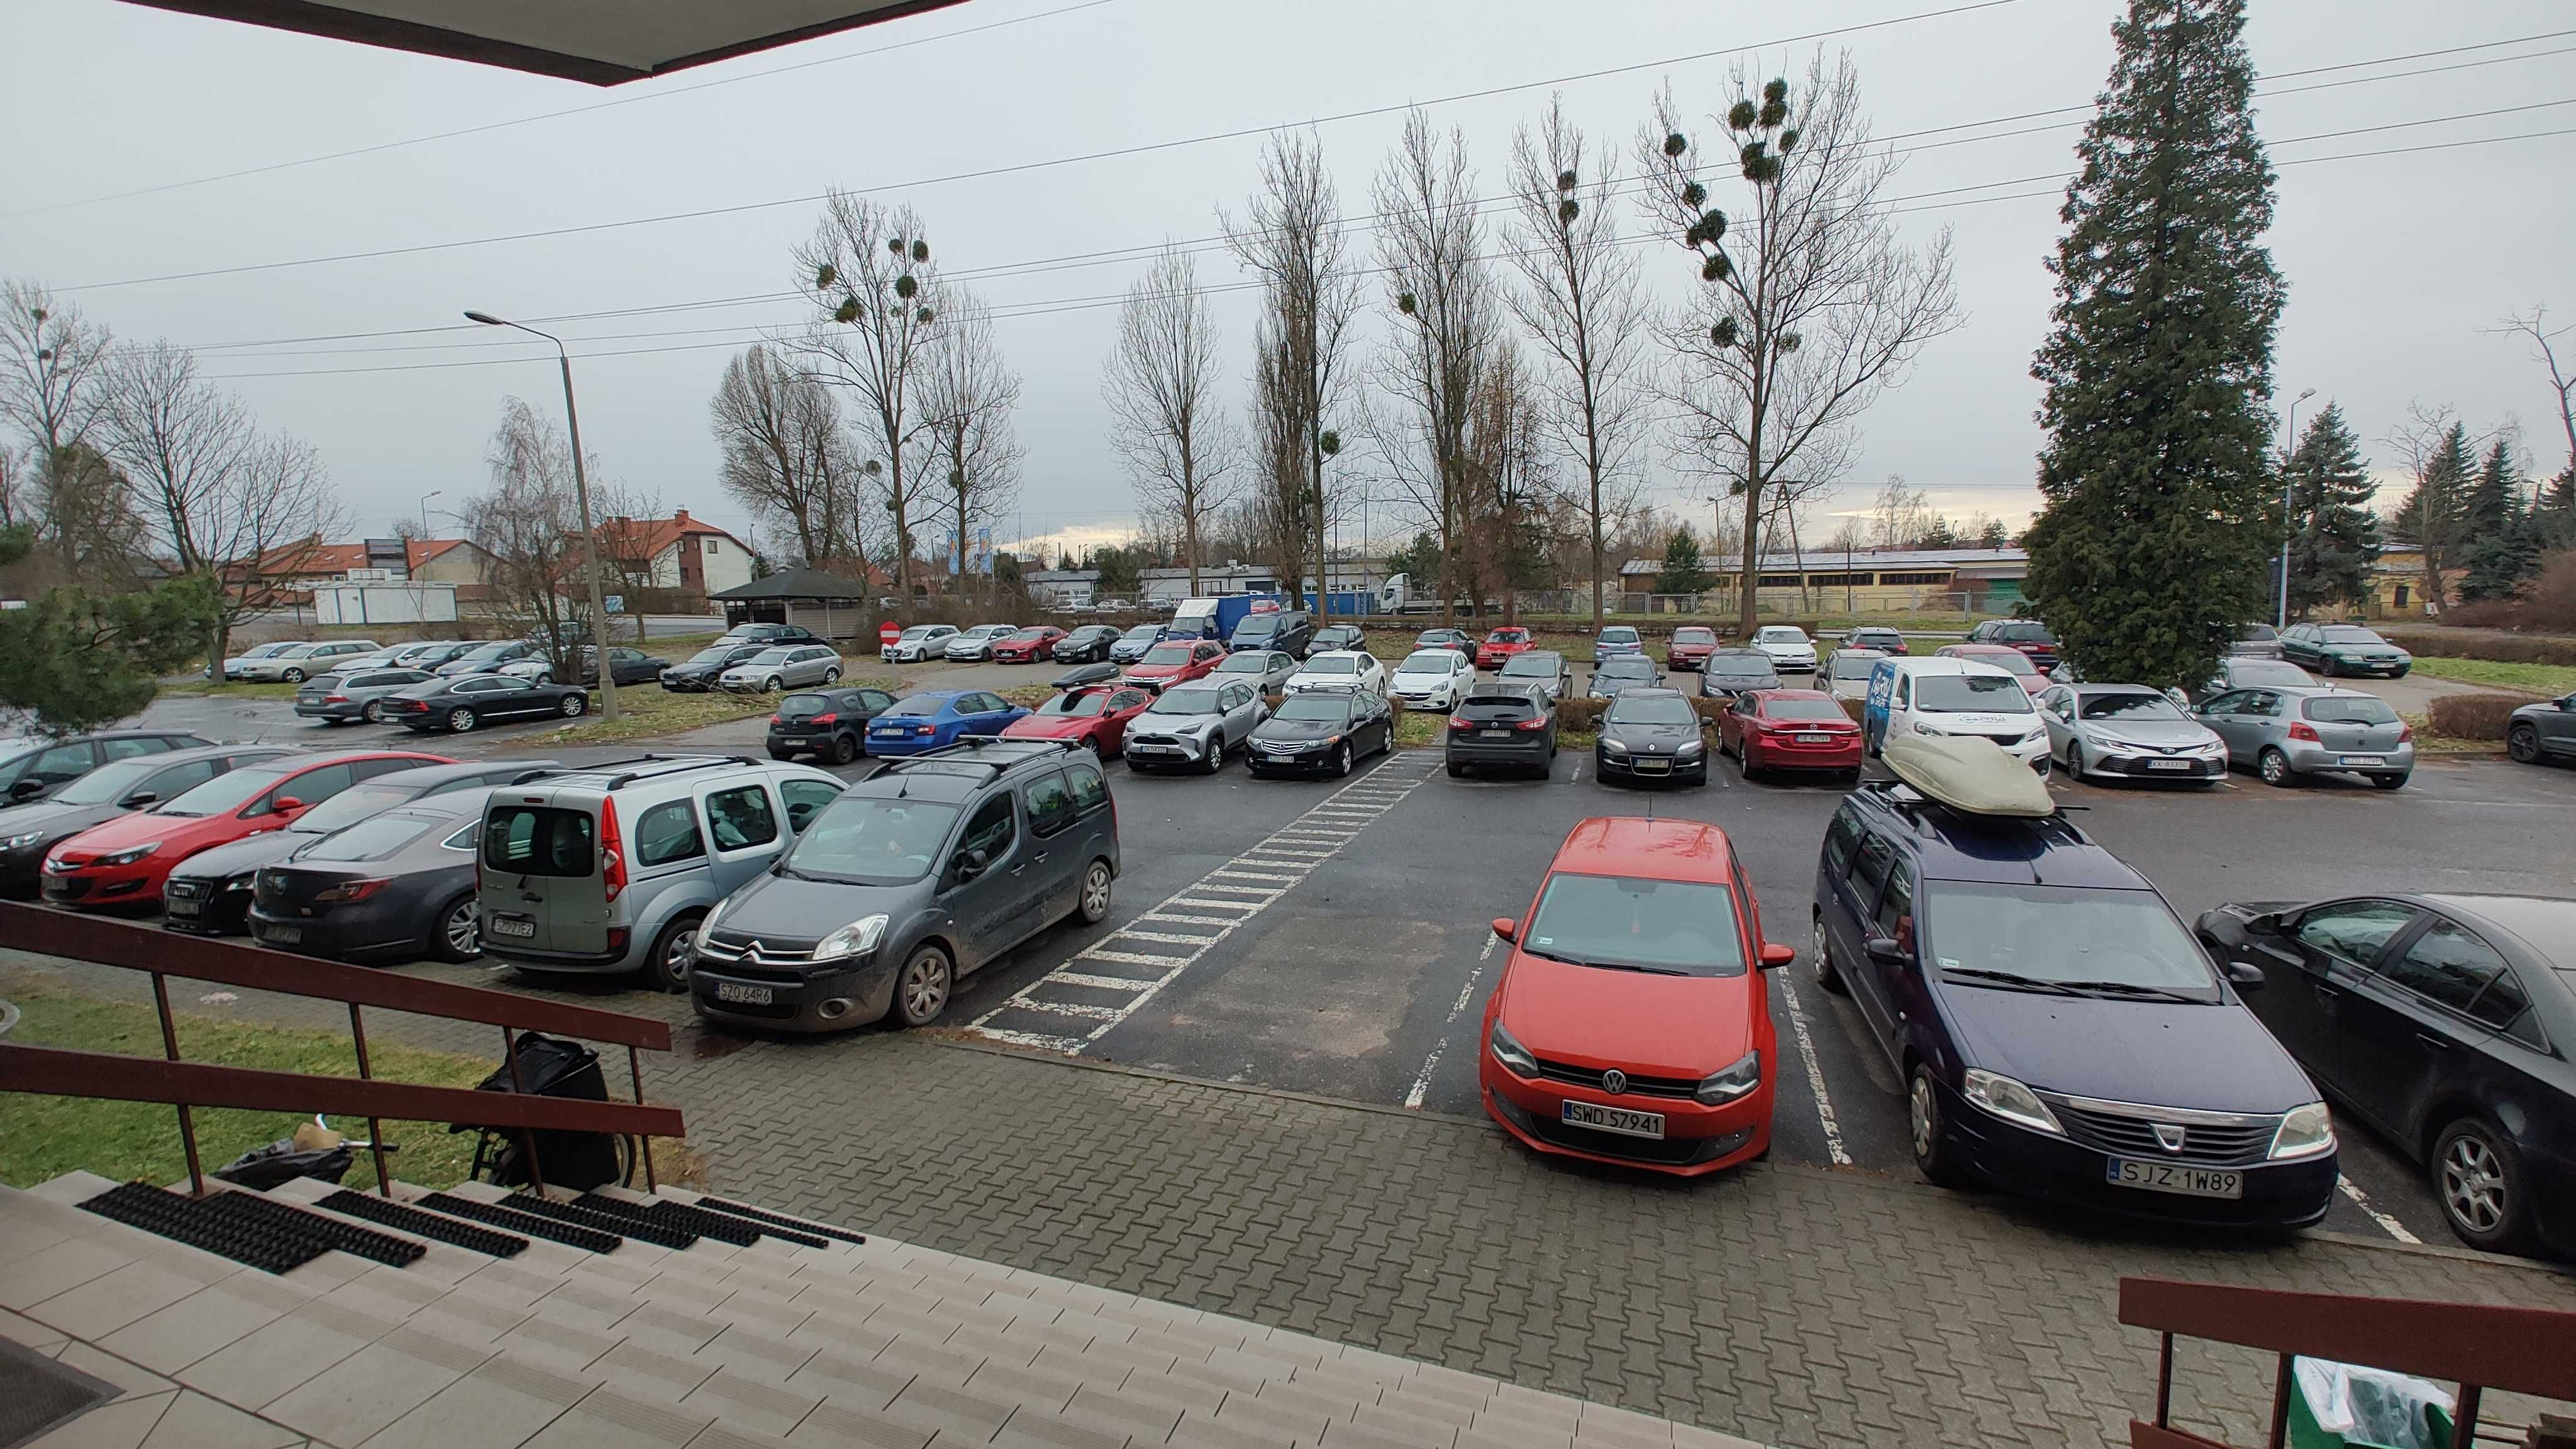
[
  {"x": 572, "y": 705},
  {"x": 1095, "y": 893},
  {"x": 921, "y": 993},
  {"x": 2275, "y": 767},
  {"x": 2075, "y": 759},
  {"x": 460, "y": 720},
  {"x": 2523, "y": 744},
  {"x": 374, "y": 712},
  {"x": 2473, "y": 1185},
  {"x": 1922, "y": 1115},
  {"x": 1342, "y": 760},
  {"x": 463, "y": 930}
]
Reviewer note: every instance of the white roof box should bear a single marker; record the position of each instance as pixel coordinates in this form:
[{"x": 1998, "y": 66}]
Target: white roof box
[{"x": 1968, "y": 773}]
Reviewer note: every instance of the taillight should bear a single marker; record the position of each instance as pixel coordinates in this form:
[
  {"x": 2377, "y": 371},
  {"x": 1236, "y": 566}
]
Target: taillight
[
  {"x": 773, "y": 719},
  {"x": 335, "y": 699},
  {"x": 2405, "y": 733},
  {"x": 1461, "y": 722},
  {"x": 926, "y": 731},
  {"x": 825, "y": 719},
  {"x": 1539, "y": 723},
  {"x": 612, "y": 852},
  {"x": 2302, "y": 730},
  {"x": 349, "y": 890}
]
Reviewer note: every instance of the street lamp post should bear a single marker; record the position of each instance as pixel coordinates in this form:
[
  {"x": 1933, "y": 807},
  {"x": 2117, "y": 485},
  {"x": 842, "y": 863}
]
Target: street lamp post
[
  {"x": 2289, "y": 437},
  {"x": 589, "y": 539}
]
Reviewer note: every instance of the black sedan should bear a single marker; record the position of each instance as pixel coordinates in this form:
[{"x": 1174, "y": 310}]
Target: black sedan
[
  {"x": 830, "y": 724},
  {"x": 1730, "y": 672},
  {"x": 697, "y": 673},
  {"x": 1457, "y": 639},
  {"x": 625, "y": 666},
  {"x": 1650, "y": 734},
  {"x": 1089, "y": 644},
  {"x": 2445, "y": 1022},
  {"x": 397, "y": 885},
  {"x": 1320, "y": 731},
  {"x": 458, "y": 705},
  {"x": 29, "y": 832}
]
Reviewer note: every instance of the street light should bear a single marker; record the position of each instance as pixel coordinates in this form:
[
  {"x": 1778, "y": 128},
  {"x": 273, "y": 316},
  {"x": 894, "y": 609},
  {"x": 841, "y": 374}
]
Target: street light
[
  {"x": 589, "y": 540},
  {"x": 2281, "y": 619}
]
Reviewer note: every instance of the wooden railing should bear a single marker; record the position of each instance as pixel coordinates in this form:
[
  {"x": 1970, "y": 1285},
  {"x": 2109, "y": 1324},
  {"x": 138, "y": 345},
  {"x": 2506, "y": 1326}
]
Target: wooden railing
[
  {"x": 186, "y": 1085},
  {"x": 2477, "y": 1346}
]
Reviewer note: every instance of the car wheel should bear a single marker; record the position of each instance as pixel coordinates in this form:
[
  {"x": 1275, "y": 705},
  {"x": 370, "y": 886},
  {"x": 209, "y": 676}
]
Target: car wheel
[
  {"x": 1744, "y": 763},
  {"x": 1216, "y": 753},
  {"x": 2478, "y": 1177},
  {"x": 832, "y": 676},
  {"x": 921, "y": 988},
  {"x": 1934, "y": 1157},
  {"x": 673, "y": 953},
  {"x": 574, "y": 706},
  {"x": 460, "y": 721},
  {"x": 1342, "y": 761},
  {"x": 459, "y": 936},
  {"x": 775, "y": 684},
  {"x": 2275, "y": 769},
  {"x": 1820, "y": 958},
  {"x": 2523, "y": 744},
  {"x": 845, "y": 748},
  {"x": 374, "y": 713},
  {"x": 1094, "y": 903},
  {"x": 2074, "y": 761}
]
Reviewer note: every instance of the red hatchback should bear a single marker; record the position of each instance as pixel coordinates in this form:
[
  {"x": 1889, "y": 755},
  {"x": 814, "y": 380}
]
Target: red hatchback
[
  {"x": 1691, "y": 646},
  {"x": 1173, "y": 661},
  {"x": 1789, "y": 729},
  {"x": 1632, "y": 1023},
  {"x": 1027, "y": 646},
  {"x": 1500, "y": 646},
  {"x": 122, "y": 864},
  {"x": 1096, "y": 716}
]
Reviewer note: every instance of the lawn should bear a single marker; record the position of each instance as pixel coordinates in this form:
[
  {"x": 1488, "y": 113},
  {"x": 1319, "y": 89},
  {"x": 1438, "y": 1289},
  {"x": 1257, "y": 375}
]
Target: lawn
[
  {"x": 198, "y": 684},
  {"x": 2548, "y": 680},
  {"x": 648, "y": 711}
]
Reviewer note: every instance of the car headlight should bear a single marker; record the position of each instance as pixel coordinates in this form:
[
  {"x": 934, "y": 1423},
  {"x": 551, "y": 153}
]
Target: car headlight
[
  {"x": 20, "y": 842},
  {"x": 1688, "y": 750},
  {"x": 2012, "y": 1101},
  {"x": 1507, "y": 1049},
  {"x": 126, "y": 857},
  {"x": 1734, "y": 1082},
  {"x": 1612, "y": 746},
  {"x": 857, "y": 938},
  {"x": 2305, "y": 1132},
  {"x": 707, "y": 922}
]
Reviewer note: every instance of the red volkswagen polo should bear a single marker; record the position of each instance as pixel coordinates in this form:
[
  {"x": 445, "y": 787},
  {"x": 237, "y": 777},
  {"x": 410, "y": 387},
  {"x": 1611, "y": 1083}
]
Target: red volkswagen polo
[
  {"x": 122, "y": 864},
  {"x": 1632, "y": 1023},
  {"x": 1789, "y": 729}
]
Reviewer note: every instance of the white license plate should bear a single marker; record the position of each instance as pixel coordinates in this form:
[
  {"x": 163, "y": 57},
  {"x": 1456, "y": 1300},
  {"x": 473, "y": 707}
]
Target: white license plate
[
  {"x": 747, "y": 995},
  {"x": 1495, "y": 734},
  {"x": 1815, "y": 739},
  {"x": 282, "y": 935},
  {"x": 1613, "y": 1119},
  {"x": 518, "y": 926},
  {"x": 2365, "y": 759},
  {"x": 1653, "y": 767},
  {"x": 2168, "y": 764},
  {"x": 2168, "y": 1177},
  {"x": 184, "y": 908}
]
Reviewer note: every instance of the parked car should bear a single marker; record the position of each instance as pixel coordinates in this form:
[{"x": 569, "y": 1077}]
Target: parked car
[
  {"x": 358, "y": 694},
  {"x": 1938, "y": 696},
  {"x": 1095, "y": 717},
  {"x": 907, "y": 882},
  {"x": 1544, "y": 670},
  {"x": 474, "y": 700},
  {"x": 1131, "y": 646},
  {"x": 1174, "y": 662},
  {"x": 2443, "y": 1022},
  {"x": 1621, "y": 672},
  {"x": 1501, "y": 645},
  {"x": 431, "y": 653},
  {"x": 2258, "y": 641},
  {"x": 1343, "y": 669},
  {"x": 1195, "y": 725},
  {"x": 2060, "y": 1033},
  {"x": 2543, "y": 731},
  {"x": 1337, "y": 639},
  {"x": 209, "y": 894},
  {"x": 1728, "y": 673},
  {"x": 2256, "y": 672},
  {"x": 1789, "y": 729},
  {"x": 1846, "y": 672},
  {"x": 122, "y": 863},
  {"x": 1500, "y": 725},
  {"x": 298, "y": 662},
  {"x": 1791, "y": 651},
  {"x": 29, "y": 832},
  {"x": 2002, "y": 656},
  {"x": 698, "y": 673},
  {"x": 1112, "y": 606},
  {"x": 1875, "y": 636},
  {"x": 1690, "y": 647},
  {"x": 1089, "y": 644},
  {"x": 1615, "y": 640},
  {"x": 830, "y": 724},
  {"x": 486, "y": 658},
  {"x": 34, "y": 769},
  {"x": 1027, "y": 646},
  {"x": 1086, "y": 674},
  {"x": 1286, "y": 631},
  {"x": 1631, "y": 1023},
  {"x": 361, "y": 664},
  {"x": 234, "y": 665},
  {"x": 977, "y": 643},
  {"x": 2333, "y": 649},
  {"x": 933, "y": 719},
  {"x": 1321, "y": 730},
  {"x": 919, "y": 642},
  {"x": 398, "y": 885},
  {"x": 1431, "y": 679},
  {"x": 2029, "y": 636},
  {"x": 770, "y": 634},
  {"x": 2285, "y": 735},
  {"x": 2128, "y": 729},
  {"x": 1650, "y": 733},
  {"x": 625, "y": 667},
  {"x": 609, "y": 869},
  {"x": 786, "y": 666},
  {"x": 1446, "y": 639},
  {"x": 1268, "y": 670}
]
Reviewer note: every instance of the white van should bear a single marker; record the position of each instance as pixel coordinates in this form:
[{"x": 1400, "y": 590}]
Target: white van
[{"x": 1940, "y": 696}]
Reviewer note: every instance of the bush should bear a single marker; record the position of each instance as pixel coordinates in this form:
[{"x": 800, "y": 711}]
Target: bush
[
  {"x": 1580, "y": 716},
  {"x": 2473, "y": 716},
  {"x": 2436, "y": 642},
  {"x": 2545, "y": 605}
]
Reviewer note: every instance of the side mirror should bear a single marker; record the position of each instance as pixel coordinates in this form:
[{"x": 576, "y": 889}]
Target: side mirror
[
  {"x": 1776, "y": 955},
  {"x": 139, "y": 799},
  {"x": 286, "y": 805},
  {"x": 1883, "y": 949},
  {"x": 26, "y": 789},
  {"x": 2245, "y": 975},
  {"x": 977, "y": 861},
  {"x": 1507, "y": 928}
]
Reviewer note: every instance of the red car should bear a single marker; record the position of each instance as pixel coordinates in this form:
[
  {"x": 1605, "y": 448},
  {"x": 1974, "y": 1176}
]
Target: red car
[
  {"x": 1097, "y": 716},
  {"x": 123, "y": 863},
  {"x": 1632, "y": 1022},
  {"x": 1789, "y": 729},
  {"x": 1027, "y": 646},
  {"x": 2002, "y": 656},
  {"x": 1173, "y": 661},
  {"x": 1501, "y": 645},
  {"x": 1690, "y": 648}
]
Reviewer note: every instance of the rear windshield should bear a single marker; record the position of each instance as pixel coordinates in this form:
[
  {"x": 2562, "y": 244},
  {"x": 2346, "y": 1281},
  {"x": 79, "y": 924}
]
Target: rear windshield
[
  {"x": 804, "y": 706},
  {"x": 1694, "y": 636},
  {"x": 229, "y": 791},
  {"x": 1650, "y": 709},
  {"x": 871, "y": 841},
  {"x": 1970, "y": 694},
  {"x": 1329, "y": 664},
  {"x": 321, "y": 683},
  {"x": 1853, "y": 666},
  {"x": 2130, "y": 706},
  {"x": 1619, "y": 634},
  {"x": 2259, "y": 671},
  {"x": 351, "y": 806},
  {"x": 2348, "y": 634},
  {"x": 1666, "y": 927},
  {"x": 537, "y": 840},
  {"x": 374, "y": 839},
  {"x": 2350, "y": 709},
  {"x": 1519, "y": 705},
  {"x": 921, "y": 706},
  {"x": 1628, "y": 666},
  {"x": 2258, "y": 634},
  {"x": 1803, "y": 709},
  {"x": 1328, "y": 708},
  {"x": 1537, "y": 661},
  {"x": 2025, "y": 634}
]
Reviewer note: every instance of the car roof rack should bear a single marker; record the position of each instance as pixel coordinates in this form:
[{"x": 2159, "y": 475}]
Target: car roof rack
[
  {"x": 622, "y": 773},
  {"x": 990, "y": 751}
]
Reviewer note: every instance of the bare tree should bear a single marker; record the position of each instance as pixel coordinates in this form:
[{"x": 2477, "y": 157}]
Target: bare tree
[
  {"x": 1581, "y": 303},
  {"x": 968, "y": 392},
  {"x": 2441, "y": 453},
  {"x": 52, "y": 371},
  {"x": 1900, "y": 514},
  {"x": 787, "y": 460},
  {"x": 2534, "y": 324},
  {"x": 1431, "y": 247},
  {"x": 1808, "y": 311},
  {"x": 1292, "y": 239},
  {"x": 527, "y": 521},
  {"x": 1161, "y": 389}
]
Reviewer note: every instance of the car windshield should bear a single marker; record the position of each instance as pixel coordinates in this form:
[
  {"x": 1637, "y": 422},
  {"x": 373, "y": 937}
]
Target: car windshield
[
  {"x": 489, "y": 652},
  {"x": 2130, "y": 706},
  {"x": 1259, "y": 626},
  {"x": 2010, "y": 661},
  {"x": 1629, "y": 709},
  {"x": 1323, "y": 708},
  {"x": 111, "y": 782},
  {"x": 351, "y": 806},
  {"x": 2268, "y": 672},
  {"x": 1733, "y": 662},
  {"x": 225, "y": 792},
  {"x": 1245, "y": 664},
  {"x": 2367, "y": 709},
  {"x": 1537, "y": 662},
  {"x": 871, "y": 841},
  {"x": 1429, "y": 661},
  {"x": 1329, "y": 664},
  {"x": 2349, "y": 634},
  {"x": 1694, "y": 636},
  {"x": 1184, "y": 701},
  {"x": 918, "y": 705},
  {"x": 373, "y": 839},
  {"x": 918, "y": 632},
  {"x": 1782, "y": 635},
  {"x": 1086, "y": 705},
  {"x": 1853, "y": 667},
  {"x": 2108, "y": 939},
  {"x": 1619, "y": 634},
  {"x": 1970, "y": 694},
  {"x": 1028, "y": 636},
  {"x": 1508, "y": 636},
  {"x": 2258, "y": 634},
  {"x": 1670, "y": 927},
  {"x": 1803, "y": 709},
  {"x": 1143, "y": 631},
  {"x": 770, "y": 656},
  {"x": 1168, "y": 654},
  {"x": 1628, "y": 667}
]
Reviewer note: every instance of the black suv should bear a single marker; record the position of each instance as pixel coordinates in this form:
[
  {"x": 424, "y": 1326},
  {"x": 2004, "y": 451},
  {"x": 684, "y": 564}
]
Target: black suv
[
  {"x": 2059, "y": 1030},
  {"x": 831, "y": 723}
]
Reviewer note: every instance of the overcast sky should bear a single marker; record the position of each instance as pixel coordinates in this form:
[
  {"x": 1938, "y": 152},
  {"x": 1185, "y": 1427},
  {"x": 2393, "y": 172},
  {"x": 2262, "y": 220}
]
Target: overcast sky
[{"x": 2396, "y": 263}]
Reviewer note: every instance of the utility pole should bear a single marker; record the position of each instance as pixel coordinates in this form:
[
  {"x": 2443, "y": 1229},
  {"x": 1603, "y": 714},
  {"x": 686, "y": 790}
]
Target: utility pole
[{"x": 2289, "y": 440}]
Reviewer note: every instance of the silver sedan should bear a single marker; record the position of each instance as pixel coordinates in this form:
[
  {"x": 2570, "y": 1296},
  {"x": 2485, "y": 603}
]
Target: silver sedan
[
  {"x": 2285, "y": 734},
  {"x": 2127, "y": 729}
]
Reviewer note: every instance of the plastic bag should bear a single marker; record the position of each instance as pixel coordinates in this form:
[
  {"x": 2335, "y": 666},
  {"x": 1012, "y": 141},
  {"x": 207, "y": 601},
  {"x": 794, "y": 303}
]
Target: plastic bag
[{"x": 2358, "y": 1405}]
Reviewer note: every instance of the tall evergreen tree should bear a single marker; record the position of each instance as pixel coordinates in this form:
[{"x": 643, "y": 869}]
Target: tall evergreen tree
[
  {"x": 1684, "y": 572},
  {"x": 2435, "y": 512},
  {"x": 2496, "y": 530},
  {"x": 2334, "y": 538},
  {"x": 2554, "y": 518},
  {"x": 2151, "y": 551}
]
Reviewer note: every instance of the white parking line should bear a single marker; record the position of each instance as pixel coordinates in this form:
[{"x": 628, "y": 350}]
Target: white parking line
[
  {"x": 1815, "y": 1073},
  {"x": 2394, "y": 1228},
  {"x": 1466, "y": 993},
  {"x": 1283, "y": 873}
]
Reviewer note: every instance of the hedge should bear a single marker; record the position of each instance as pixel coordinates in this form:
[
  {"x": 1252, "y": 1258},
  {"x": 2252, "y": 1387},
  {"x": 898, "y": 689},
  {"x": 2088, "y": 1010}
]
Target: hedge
[
  {"x": 2473, "y": 716},
  {"x": 2440, "y": 643}
]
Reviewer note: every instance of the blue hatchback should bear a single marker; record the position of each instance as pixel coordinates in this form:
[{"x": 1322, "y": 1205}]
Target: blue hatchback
[{"x": 936, "y": 718}]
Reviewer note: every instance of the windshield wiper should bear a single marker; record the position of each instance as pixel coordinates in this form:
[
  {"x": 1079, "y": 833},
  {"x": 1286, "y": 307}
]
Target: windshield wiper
[
  {"x": 2129, "y": 988},
  {"x": 2005, "y": 979},
  {"x": 1602, "y": 965}
]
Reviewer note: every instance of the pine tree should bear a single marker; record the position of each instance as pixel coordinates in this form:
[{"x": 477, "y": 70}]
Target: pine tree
[
  {"x": 2554, "y": 519},
  {"x": 1683, "y": 572},
  {"x": 2335, "y": 537},
  {"x": 1994, "y": 535},
  {"x": 2151, "y": 552},
  {"x": 2498, "y": 539},
  {"x": 2435, "y": 511}
]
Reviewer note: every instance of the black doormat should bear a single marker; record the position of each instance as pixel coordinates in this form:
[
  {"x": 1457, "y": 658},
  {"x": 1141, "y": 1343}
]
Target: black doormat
[{"x": 37, "y": 1393}]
